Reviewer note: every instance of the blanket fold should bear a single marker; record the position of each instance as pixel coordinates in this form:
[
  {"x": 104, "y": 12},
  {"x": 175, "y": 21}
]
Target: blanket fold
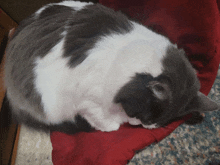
[
  {"x": 195, "y": 27},
  {"x": 105, "y": 148}
]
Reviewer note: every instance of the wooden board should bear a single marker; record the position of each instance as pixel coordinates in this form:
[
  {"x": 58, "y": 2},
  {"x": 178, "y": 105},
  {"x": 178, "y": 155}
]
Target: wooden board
[{"x": 8, "y": 130}]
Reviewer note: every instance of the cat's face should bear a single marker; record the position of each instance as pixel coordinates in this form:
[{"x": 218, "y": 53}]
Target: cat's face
[{"x": 156, "y": 101}]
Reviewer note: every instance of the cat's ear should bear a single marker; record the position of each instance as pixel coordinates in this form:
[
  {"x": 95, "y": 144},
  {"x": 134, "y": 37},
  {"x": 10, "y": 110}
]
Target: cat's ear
[
  {"x": 160, "y": 90},
  {"x": 202, "y": 103}
]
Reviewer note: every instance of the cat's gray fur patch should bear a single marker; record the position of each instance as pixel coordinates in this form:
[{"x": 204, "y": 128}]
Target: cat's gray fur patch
[{"x": 184, "y": 82}]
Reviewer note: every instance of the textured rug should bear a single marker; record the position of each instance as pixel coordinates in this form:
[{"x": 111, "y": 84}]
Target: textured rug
[{"x": 192, "y": 145}]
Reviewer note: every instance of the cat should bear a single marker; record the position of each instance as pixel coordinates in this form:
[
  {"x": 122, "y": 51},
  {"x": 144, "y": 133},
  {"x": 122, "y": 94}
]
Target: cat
[{"x": 75, "y": 66}]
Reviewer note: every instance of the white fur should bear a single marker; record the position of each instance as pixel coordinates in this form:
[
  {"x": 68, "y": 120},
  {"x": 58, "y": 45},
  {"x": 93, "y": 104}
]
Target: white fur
[
  {"x": 64, "y": 33},
  {"x": 89, "y": 88},
  {"x": 41, "y": 9},
  {"x": 152, "y": 126},
  {"x": 50, "y": 72},
  {"x": 76, "y": 5}
]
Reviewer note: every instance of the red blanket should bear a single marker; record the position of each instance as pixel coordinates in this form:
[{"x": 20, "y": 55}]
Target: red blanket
[{"x": 193, "y": 25}]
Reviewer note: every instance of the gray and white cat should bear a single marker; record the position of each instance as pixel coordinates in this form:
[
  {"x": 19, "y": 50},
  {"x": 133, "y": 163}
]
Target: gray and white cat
[{"x": 73, "y": 66}]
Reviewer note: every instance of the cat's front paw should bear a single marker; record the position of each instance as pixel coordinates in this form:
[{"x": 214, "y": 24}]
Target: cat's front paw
[
  {"x": 113, "y": 126},
  {"x": 196, "y": 118},
  {"x": 134, "y": 121}
]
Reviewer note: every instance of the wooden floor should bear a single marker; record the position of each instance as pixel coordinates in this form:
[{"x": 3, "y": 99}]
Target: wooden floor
[{"x": 8, "y": 129}]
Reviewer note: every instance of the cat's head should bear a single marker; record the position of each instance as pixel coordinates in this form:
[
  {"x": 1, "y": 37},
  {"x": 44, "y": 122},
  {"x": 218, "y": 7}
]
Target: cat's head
[{"x": 157, "y": 101}]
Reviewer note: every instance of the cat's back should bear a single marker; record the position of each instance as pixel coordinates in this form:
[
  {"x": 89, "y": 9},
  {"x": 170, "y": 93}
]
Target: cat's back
[
  {"x": 79, "y": 25},
  {"x": 53, "y": 39},
  {"x": 34, "y": 38},
  {"x": 76, "y": 25},
  {"x": 69, "y": 43}
]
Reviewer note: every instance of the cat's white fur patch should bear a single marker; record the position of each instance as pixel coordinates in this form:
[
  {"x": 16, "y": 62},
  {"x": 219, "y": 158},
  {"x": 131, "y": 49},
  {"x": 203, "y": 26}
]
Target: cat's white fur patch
[
  {"x": 42, "y": 9},
  {"x": 50, "y": 72},
  {"x": 89, "y": 88},
  {"x": 134, "y": 121},
  {"x": 152, "y": 126},
  {"x": 64, "y": 33},
  {"x": 76, "y": 5}
]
